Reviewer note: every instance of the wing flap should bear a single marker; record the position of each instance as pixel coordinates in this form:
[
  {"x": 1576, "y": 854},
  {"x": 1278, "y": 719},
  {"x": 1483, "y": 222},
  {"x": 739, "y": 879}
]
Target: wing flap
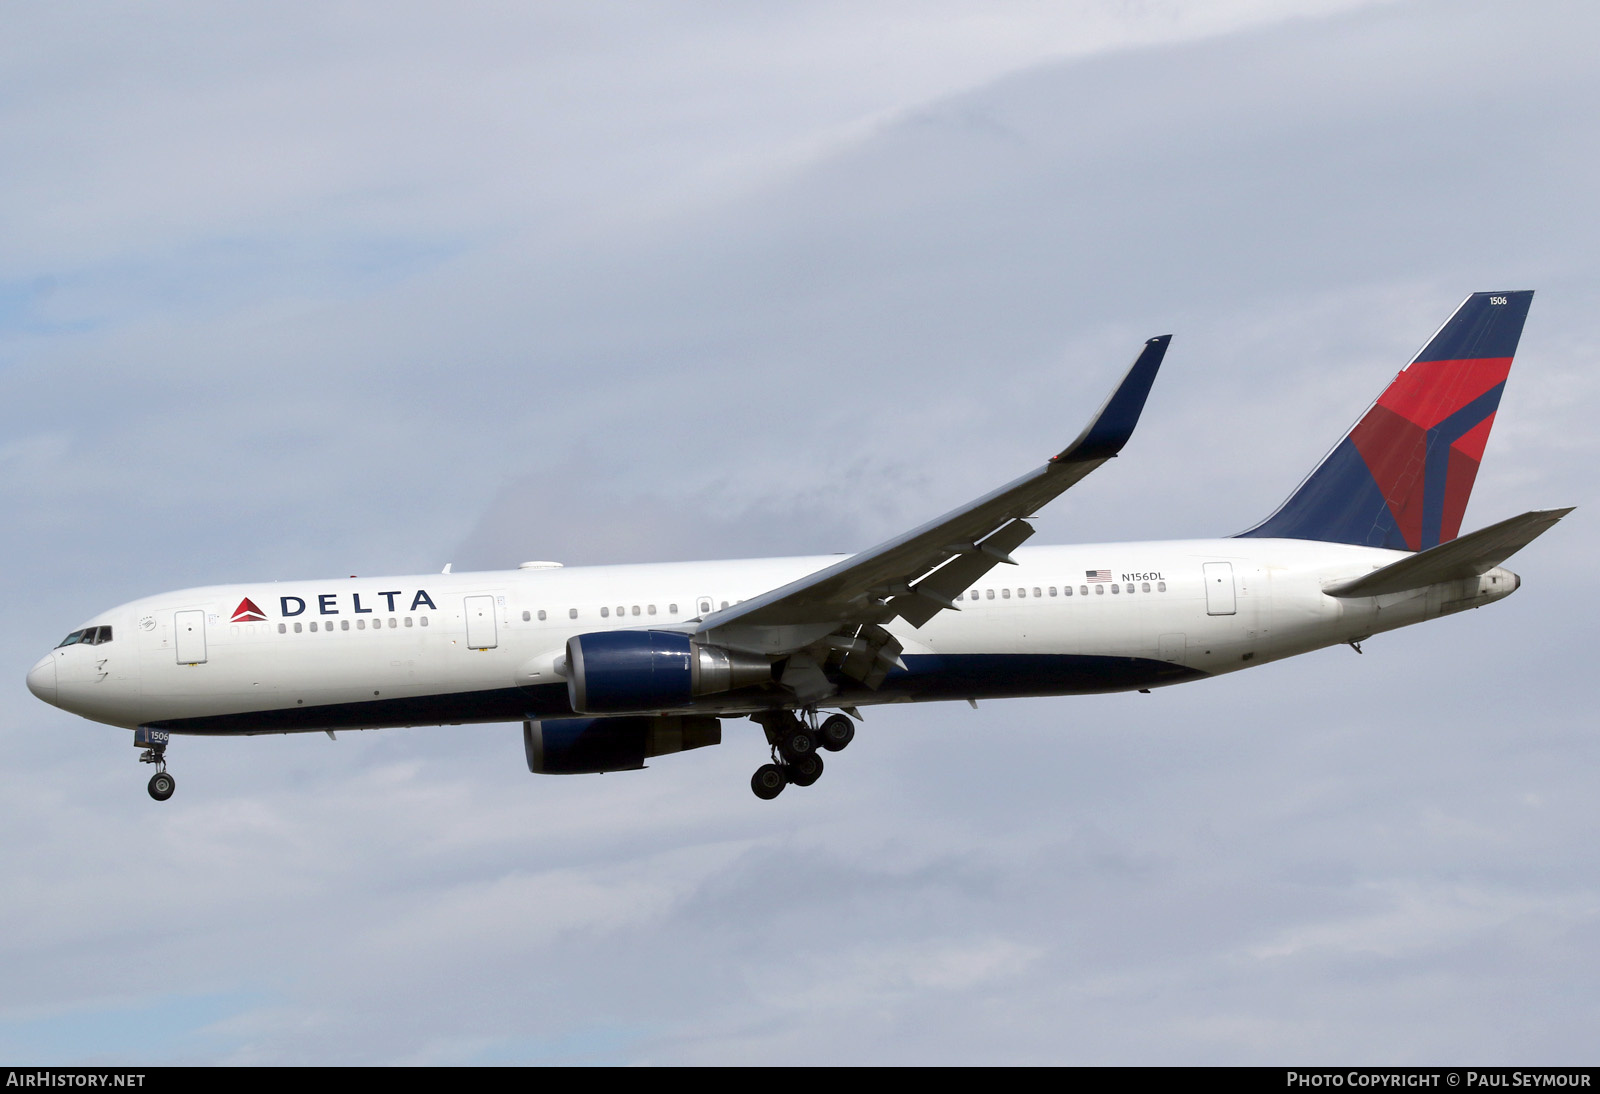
[{"x": 938, "y": 589}]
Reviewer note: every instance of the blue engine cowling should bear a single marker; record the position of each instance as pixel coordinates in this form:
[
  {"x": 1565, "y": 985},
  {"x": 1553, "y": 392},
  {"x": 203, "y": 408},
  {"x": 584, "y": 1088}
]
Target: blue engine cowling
[
  {"x": 584, "y": 746},
  {"x": 623, "y": 672}
]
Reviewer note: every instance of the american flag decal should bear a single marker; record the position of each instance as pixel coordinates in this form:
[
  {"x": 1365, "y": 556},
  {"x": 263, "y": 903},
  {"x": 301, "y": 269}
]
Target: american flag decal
[{"x": 1097, "y": 575}]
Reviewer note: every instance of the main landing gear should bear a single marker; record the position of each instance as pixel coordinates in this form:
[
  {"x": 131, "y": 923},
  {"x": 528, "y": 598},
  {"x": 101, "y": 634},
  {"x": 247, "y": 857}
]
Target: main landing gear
[
  {"x": 161, "y": 783},
  {"x": 795, "y": 742}
]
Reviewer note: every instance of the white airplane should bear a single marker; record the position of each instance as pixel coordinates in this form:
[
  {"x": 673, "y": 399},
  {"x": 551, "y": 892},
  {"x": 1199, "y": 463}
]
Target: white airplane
[{"x": 607, "y": 666}]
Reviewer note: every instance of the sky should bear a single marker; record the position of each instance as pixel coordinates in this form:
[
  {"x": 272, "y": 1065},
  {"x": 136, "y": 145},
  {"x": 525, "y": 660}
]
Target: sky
[{"x": 316, "y": 290}]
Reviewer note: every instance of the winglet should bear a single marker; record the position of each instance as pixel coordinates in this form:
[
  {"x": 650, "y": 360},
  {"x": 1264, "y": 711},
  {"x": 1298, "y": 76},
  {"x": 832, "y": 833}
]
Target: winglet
[{"x": 1109, "y": 431}]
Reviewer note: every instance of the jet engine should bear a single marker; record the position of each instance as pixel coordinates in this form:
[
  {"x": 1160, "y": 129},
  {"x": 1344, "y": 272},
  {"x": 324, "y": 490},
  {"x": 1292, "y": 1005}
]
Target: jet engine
[
  {"x": 620, "y": 672},
  {"x": 584, "y": 746}
]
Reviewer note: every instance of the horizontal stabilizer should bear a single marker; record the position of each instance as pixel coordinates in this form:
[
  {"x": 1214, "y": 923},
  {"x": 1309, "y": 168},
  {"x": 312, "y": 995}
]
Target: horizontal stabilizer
[{"x": 1465, "y": 557}]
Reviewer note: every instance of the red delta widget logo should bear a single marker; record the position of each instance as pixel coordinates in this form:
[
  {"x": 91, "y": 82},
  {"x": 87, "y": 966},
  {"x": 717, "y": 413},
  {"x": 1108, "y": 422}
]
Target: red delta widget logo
[{"x": 247, "y": 612}]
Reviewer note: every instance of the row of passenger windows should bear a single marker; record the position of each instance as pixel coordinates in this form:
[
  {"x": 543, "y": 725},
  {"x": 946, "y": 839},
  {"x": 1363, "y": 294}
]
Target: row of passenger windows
[
  {"x": 1039, "y": 591},
  {"x": 605, "y": 613},
  {"x": 95, "y": 635},
  {"x": 1066, "y": 590},
  {"x": 361, "y": 624}
]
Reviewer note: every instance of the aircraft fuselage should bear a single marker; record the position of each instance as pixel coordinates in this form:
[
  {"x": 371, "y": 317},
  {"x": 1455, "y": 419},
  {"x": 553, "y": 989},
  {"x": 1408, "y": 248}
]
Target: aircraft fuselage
[{"x": 488, "y": 647}]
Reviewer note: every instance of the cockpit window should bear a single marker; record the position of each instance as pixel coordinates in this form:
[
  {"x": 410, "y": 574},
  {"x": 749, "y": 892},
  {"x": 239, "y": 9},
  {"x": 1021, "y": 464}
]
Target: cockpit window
[{"x": 89, "y": 636}]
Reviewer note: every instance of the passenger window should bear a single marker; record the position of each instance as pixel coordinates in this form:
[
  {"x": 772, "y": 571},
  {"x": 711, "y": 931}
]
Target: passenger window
[
  {"x": 572, "y": 613},
  {"x": 297, "y": 628},
  {"x": 1083, "y": 590},
  {"x": 541, "y": 615},
  {"x": 361, "y": 624},
  {"x": 672, "y": 609},
  {"x": 1144, "y": 586},
  {"x": 526, "y": 616},
  {"x": 1115, "y": 589},
  {"x": 1130, "y": 587},
  {"x": 605, "y": 613},
  {"x": 344, "y": 624},
  {"x": 1066, "y": 590},
  {"x": 652, "y": 609},
  {"x": 422, "y": 621},
  {"x": 988, "y": 594},
  {"x": 313, "y": 627},
  {"x": 283, "y": 629},
  {"x": 1036, "y": 591},
  {"x": 636, "y": 609},
  {"x": 1099, "y": 590},
  {"x": 1161, "y": 586},
  {"x": 1052, "y": 590},
  {"x": 393, "y": 622},
  {"x": 408, "y": 621},
  {"x": 1005, "y": 594}
]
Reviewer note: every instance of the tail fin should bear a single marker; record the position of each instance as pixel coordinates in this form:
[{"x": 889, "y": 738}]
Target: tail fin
[{"x": 1401, "y": 478}]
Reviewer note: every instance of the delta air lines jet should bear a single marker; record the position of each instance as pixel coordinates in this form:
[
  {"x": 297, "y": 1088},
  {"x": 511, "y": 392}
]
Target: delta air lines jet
[{"x": 607, "y": 666}]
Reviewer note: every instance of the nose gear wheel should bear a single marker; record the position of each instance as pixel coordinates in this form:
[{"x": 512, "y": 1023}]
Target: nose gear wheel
[{"x": 162, "y": 785}]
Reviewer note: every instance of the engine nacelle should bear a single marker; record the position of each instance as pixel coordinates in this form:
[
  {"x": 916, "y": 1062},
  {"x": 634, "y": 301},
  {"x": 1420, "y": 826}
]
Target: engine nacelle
[
  {"x": 584, "y": 746},
  {"x": 619, "y": 672}
]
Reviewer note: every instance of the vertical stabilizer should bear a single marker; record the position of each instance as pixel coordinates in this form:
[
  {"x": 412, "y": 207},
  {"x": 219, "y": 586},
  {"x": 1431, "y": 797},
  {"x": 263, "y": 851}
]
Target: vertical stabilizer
[{"x": 1401, "y": 478}]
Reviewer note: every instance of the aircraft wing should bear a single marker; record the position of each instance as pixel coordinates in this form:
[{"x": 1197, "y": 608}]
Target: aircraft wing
[{"x": 918, "y": 574}]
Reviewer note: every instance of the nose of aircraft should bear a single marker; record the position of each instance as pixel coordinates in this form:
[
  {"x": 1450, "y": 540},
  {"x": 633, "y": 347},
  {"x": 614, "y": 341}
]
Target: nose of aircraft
[{"x": 42, "y": 679}]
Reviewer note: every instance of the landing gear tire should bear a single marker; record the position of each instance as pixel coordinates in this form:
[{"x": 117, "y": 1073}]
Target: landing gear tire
[
  {"x": 162, "y": 785},
  {"x": 797, "y": 742},
  {"x": 806, "y": 770},
  {"x": 836, "y": 732},
  {"x": 767, "y": 783}
]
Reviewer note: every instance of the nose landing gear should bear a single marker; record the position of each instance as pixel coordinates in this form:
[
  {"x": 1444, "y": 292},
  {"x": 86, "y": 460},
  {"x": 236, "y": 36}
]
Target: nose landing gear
[
  {"x": 796, "y": 742},
  {"x": 154, "y": 742}
]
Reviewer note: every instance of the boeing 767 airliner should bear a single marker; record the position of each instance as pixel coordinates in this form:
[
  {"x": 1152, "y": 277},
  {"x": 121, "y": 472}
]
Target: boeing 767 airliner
[{"x": 607, "y": 666}]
